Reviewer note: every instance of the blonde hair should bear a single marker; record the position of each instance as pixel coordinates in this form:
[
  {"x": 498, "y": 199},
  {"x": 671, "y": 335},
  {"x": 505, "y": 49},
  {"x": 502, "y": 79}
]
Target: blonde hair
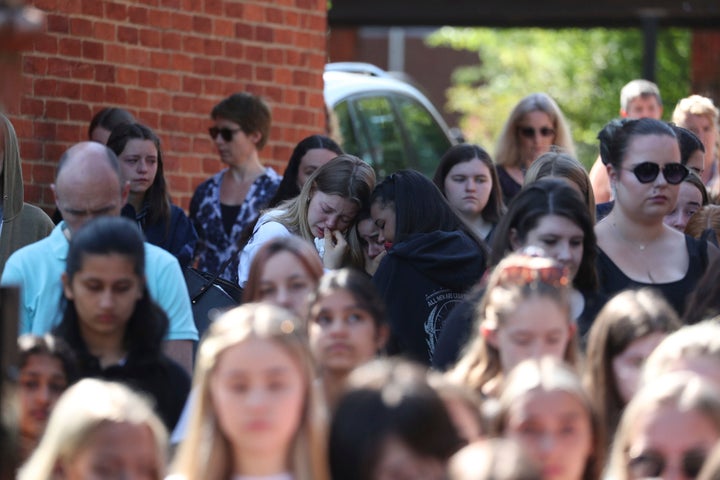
[
  {"x": 507, "y": 152},
  {"x": 695, "y": 105},
  {"x": 81, "y": 410},
  {"x": 345, "y": 175},
  {"x": 691, "y": 341},
  {"x": 681, "y": 391},
  {"x": 480, "y": 362},
  {"x": 206, "y": 454},
  {"x": 558, "y": 164},
  {"x": 552, "y": 375}
]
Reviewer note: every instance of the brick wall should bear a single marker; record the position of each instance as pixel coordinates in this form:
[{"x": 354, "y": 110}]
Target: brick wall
[
  {"x": 706, "y": 64},
  {"x": 168, "y": 62}
]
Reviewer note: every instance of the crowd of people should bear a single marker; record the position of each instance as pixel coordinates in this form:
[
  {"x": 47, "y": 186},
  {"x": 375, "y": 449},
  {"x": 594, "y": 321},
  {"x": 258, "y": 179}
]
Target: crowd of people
[{"x": 514, "y": 317}]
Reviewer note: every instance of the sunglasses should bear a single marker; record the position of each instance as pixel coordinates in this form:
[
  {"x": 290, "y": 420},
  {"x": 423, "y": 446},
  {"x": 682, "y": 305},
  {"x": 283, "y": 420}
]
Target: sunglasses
[
  {"x": 652, "y": 464},
  {"x": 226, "y": 133},
  {"x": 647, "y": 172},
  {"x": 520, "y": 275},
  {"x": 529, "y": 132}
]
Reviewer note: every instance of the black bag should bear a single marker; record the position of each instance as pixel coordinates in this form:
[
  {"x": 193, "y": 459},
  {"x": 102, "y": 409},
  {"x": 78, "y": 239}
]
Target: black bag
[{"x": 210, "y": 296}]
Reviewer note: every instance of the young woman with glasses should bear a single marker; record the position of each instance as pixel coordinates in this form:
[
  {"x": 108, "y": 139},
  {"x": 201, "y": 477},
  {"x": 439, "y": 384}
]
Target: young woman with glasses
[
  {"x": 227, "y": 202},
  {"x": 534, "y": 125},
  {"x": 635, "y": 247}
]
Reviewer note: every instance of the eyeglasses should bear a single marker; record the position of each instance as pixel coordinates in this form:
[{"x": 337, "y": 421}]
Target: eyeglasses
[
  {"x": 553, "y": 275},
  {"x": 653, "y": 464},
  {"x": 529, "y": 132},
  {"x": 226, "y": 133},
  {"x": 647, "y": 172}
]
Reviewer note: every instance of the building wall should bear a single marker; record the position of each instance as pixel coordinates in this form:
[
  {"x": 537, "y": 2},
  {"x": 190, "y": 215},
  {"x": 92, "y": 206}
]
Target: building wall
[{"x": 168, "y": 62}]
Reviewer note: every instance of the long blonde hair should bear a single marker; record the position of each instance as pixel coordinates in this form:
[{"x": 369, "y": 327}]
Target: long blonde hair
[
  {"x": 507, "y": 152},
  {"x": 345, "y": 175},
  {"x": 83, "y": 408},
  {"x": 480, "y": 362},
  {"x": 206, "y": 453}
]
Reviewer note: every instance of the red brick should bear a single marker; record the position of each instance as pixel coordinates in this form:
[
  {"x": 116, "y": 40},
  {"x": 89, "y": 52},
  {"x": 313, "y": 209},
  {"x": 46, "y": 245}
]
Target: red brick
[
  {"x": 138, "y": 98},
  {"x": 181, "y": 62},
  {"x": 125, "y": 76},
  {"x": 92, "y": 9},
  {"x": 127, "y": 35},
  {"x": 67, "y": 90},
  {"x": 104, "y": 73},
  {"x": 80, "y": 111},
  {"x": 160, "y": 60},
  {"x": 234, "y": 9},
  {"x": 214, "y": 7},
  {"x": 254, "y": 13},
  {"x": 46, "y": 44},
  {"x": 223, "y": 28},
  {"x": 91, "y": 92},
  {"x": 150, "y": 37},
  {"x": 81, "y": 27},
  {"x": 202, "y": 24},
  {"x": 115, "y": 54},
  {"x": 138, "y": 15},
  {"x": 44, "y": 130},
  {"x": 148, "y": 79},
  {"x": 264, "y": 34},
  {"x": 193, "y": 44},
  {"x": 57, "y": 23},
  {"x": 182, "y": 22},
  {"x": 243, "y": 31},
  {"x": 274, "y": 15},
  {"x": 170, "y": 40},
  {"x": 43, "y": 87},
  {"x": 115, "y": 95},
  {"x": 223, "y": 68},
  {"x": 93, "y": 50},
  {"x": 192, "y": 85},
  {"x": 160, "y": 101},
  {"x": 34, "y": 65},
  {"x": 264, "y": 73},
  {"x": 116, "y": 11},
  {"x": 202, "y": 65},
  {"x": 234, "y": 50},
  {"x": 104, "y": 31},
  {"x": 213, "y": 47},
  {"x": 68, "y": 133},
  {"x": 70, "y": 47}
]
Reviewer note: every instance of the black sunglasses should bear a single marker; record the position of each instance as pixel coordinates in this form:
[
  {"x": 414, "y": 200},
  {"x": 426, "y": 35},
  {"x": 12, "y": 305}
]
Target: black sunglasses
[
  {"x": 647, "y": 172},
  {"x": 226, "y": 133},
  {"x": 529, "y": 132},
  {"x": 652, "y": 464}
]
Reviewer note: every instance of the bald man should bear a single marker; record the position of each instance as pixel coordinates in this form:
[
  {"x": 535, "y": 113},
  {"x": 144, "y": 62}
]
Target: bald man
[{"x": 87, "y": 185}]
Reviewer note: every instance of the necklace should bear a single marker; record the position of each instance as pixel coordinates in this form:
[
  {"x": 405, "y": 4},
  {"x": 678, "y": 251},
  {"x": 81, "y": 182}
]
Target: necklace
[{"x": 641, "y": 246}]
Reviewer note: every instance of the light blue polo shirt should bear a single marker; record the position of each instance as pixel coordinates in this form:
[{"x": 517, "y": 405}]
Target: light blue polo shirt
[{"x": 37, "y": 268}]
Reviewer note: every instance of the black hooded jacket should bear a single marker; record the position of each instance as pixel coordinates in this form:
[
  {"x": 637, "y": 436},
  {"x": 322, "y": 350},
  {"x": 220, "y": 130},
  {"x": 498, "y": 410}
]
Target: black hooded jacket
[{"x": 421, "y": 279}]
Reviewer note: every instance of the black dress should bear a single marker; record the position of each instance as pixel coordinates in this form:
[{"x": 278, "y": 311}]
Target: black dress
[{"x": 613, "y": 280}]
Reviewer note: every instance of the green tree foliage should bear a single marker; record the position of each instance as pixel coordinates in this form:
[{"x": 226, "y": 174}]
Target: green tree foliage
[{"x": 582, "y": 69}]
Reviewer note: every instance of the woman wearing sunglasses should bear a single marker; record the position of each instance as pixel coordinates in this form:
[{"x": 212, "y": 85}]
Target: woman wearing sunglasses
[
  {"x": 635, "y": 248},
  {"x": 534, "y": 125},
  {"x": 667, "y": 430},
  {"x": 227, "y": 202}
]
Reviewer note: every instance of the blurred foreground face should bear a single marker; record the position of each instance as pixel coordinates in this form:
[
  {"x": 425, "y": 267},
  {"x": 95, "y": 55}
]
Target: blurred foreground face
[
  {"x": 115, "y": 451},
  {"x": 555, "y": 430},
  {"x": 670, "y": 444},
  {"x": 41, "y": 382},
  {"x": 258, "y": 395}
]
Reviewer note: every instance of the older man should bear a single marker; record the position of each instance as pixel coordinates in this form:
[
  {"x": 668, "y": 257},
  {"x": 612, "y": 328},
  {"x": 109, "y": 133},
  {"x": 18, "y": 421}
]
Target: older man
[{"x": 88, "y": 185}]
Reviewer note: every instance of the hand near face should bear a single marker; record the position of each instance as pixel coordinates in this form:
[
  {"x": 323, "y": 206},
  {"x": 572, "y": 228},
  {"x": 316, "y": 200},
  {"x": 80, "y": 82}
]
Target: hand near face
[
  {"x": 372, "y": 264},
  {"x": 335, "y": 248}
]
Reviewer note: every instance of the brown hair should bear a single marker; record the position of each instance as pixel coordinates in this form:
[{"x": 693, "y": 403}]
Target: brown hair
[{"x": 303, "y": 251}]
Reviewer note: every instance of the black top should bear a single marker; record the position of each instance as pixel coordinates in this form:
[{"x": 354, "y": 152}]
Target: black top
[
  {"x": 613, "y": 280},
  {"x": 508, "y": 185},
  {"x": 421, "y": 280},
  {"x": 163, "y": 380}
]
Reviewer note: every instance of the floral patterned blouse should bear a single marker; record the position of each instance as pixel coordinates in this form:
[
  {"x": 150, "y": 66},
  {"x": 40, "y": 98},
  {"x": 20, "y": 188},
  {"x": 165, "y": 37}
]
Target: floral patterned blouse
[{"x": 215, "y": 245}]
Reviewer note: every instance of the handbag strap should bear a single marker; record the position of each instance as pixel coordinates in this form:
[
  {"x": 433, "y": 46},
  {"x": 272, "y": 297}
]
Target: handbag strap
[{"x": 209, "y": 283}]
